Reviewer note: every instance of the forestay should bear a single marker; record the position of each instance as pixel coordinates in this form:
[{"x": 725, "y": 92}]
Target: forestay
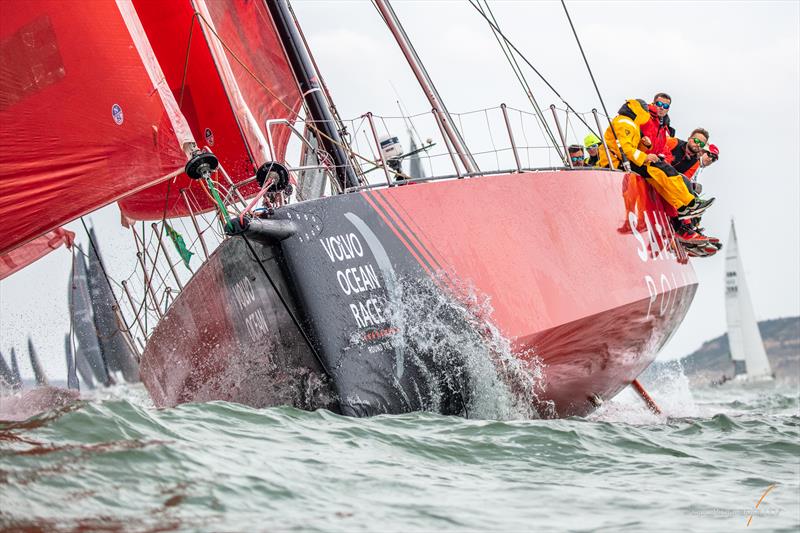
[{"x": 229, "y": 73}]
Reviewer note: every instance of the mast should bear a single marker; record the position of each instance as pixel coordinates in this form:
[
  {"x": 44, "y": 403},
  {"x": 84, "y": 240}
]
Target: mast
[
  {"x": 313, "y": 96},
  {"x": 449, "y": 130}
]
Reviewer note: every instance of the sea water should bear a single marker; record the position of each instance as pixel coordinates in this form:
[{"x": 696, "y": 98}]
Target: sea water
[{"x": 113, "y": 462}]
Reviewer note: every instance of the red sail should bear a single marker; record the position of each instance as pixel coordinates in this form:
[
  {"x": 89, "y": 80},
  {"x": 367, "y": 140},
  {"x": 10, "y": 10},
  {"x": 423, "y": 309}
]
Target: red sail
[
  {"x": 234, "y": 78},
  {"x": 24, "y": 255},
  {"x": 82, "y": 117}
]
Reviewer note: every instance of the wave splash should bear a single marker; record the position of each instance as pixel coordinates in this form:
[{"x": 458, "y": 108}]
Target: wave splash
[{"x": 476, "y": 371}]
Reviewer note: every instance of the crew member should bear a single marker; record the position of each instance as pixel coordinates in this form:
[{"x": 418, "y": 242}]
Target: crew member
[
  {"x": 710, "y": 155},
  {"x": 592, "y": 145},
  {"x": 576, "y": 155},
  {"x": 665, "y": 179},
  {"x": 707, "y": 157},
  {"x": 656, "y": 131},
  {"x": 683, "y": 155}
]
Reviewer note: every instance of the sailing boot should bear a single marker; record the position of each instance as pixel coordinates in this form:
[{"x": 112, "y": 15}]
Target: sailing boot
[
  {"x": 687, "y": 235},
  {"x": 713, "y": 242},
  {"x": 694, "y": 208}
]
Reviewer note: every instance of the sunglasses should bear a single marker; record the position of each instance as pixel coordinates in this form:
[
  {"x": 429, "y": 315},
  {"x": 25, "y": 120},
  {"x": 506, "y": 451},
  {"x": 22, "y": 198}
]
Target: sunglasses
[
  {"x": 576, "y": 159},
  {"x": 698, "y": 142},
  {"x": 592, "y": 146},
  {"x": 662, "y": 105}
]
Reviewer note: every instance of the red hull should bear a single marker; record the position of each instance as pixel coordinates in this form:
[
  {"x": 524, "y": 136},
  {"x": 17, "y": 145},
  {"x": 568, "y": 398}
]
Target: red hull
[
  {"x": 579, "y": 267},
  {"x": 566, "y": 275}
]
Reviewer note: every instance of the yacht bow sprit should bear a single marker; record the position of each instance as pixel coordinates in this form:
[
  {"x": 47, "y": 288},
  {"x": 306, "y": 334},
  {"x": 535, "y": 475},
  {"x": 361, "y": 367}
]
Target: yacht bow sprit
[{"x": 306, "y": 278}]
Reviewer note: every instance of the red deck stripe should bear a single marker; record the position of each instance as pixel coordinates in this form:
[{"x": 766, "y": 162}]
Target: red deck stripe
[
  {"x": 444, "y": 275},
  {"x": 371, "y": 201},
  {"x": 403, "y": 220}
]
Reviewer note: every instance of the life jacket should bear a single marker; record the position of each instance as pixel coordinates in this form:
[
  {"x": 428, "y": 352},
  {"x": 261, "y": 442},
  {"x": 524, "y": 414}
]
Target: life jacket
[
  {"x": 632, "y": 115},
  {"x": 692, "y": 170},
  {"x": 657, "y": 130},
  {"x": 677, "y": 155}
]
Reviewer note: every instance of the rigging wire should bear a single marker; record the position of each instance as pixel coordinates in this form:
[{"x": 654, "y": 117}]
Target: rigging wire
[
  {"x": 512, "y": 60},
  {"x": 309, "y": 123},
  {"x": 458, "y": 141},
  {"x": 491, "y": 138},
  {"x": 328, "y": 97},
  {"x": 525, "y": 137},
  {"x": 624, "y": 159},
  {"x": 407, "y": 119},
  {"x": 409, "y": 124},
  {"x": 288, "y": 309},
  {"x": 154, "y": 260},
  {"x": 527, "y": 62}
]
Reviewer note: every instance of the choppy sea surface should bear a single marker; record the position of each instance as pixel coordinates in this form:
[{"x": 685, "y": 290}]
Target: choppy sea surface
[{"x": 112, "y": 462}]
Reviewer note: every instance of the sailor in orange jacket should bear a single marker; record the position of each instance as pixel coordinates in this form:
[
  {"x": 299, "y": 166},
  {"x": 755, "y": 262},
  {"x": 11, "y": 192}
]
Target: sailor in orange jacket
[{"x": 665, "y": 180}]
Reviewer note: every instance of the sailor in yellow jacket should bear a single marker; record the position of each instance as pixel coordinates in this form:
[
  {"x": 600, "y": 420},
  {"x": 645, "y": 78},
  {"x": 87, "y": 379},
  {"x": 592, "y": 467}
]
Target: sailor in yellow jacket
[{"x": 665, "y": 180}]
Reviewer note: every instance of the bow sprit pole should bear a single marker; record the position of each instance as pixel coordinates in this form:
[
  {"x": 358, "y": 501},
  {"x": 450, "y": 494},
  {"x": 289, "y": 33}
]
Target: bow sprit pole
[{"x": 651, "y": 404}]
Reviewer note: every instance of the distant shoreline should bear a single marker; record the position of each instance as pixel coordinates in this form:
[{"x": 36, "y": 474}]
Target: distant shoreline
[{"x": 781, "y": 338}]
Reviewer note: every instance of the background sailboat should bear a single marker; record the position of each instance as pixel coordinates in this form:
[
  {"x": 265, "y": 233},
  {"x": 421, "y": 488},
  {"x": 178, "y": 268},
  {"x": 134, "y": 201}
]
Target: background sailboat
[
  {"x": 17, "y": 383},
  {"x": 6, "y": 376},
  {"x": 115, "y": 344},
  {"x": 747, "y": 348},
  {"x": 85, "y": 330},
  {"x": 38, "y": 369},
  {"x": 72, "y": 374}
]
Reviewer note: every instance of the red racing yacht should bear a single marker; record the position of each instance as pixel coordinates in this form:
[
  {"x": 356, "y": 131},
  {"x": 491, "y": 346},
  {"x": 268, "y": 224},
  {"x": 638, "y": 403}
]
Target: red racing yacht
[{"x": 374, "y": 299}]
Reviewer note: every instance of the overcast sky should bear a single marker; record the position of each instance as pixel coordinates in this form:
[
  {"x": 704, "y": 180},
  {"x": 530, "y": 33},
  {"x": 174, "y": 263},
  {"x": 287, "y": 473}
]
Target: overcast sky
[{"x": 731, "y": 67}]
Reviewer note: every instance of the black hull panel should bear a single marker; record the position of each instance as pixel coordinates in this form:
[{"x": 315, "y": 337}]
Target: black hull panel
[{"x": 230, "y": 337}]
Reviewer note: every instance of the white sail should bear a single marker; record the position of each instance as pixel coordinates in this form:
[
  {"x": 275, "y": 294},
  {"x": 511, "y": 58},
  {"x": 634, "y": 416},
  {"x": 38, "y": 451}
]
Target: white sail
[
  {"x": 744, "y": 338},
  {"x": 415, "y": 169}
]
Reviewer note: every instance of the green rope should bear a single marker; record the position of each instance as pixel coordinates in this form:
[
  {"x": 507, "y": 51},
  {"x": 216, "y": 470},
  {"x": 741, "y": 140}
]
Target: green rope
[{"x": 218, "y": 199}]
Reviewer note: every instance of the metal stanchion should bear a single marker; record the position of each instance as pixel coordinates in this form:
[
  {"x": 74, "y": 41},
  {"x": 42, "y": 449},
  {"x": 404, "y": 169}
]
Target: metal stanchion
[
  {"x": 511, "y": 137},
  {"x": 147, "y": 284},
  {"x": 446, "y": 142},
  {"x": 378, "y": 144},
  {"x": 133, "y": 308},
  {"x": 567, "y": 159},
  {"x": 605, "y": 147}
]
